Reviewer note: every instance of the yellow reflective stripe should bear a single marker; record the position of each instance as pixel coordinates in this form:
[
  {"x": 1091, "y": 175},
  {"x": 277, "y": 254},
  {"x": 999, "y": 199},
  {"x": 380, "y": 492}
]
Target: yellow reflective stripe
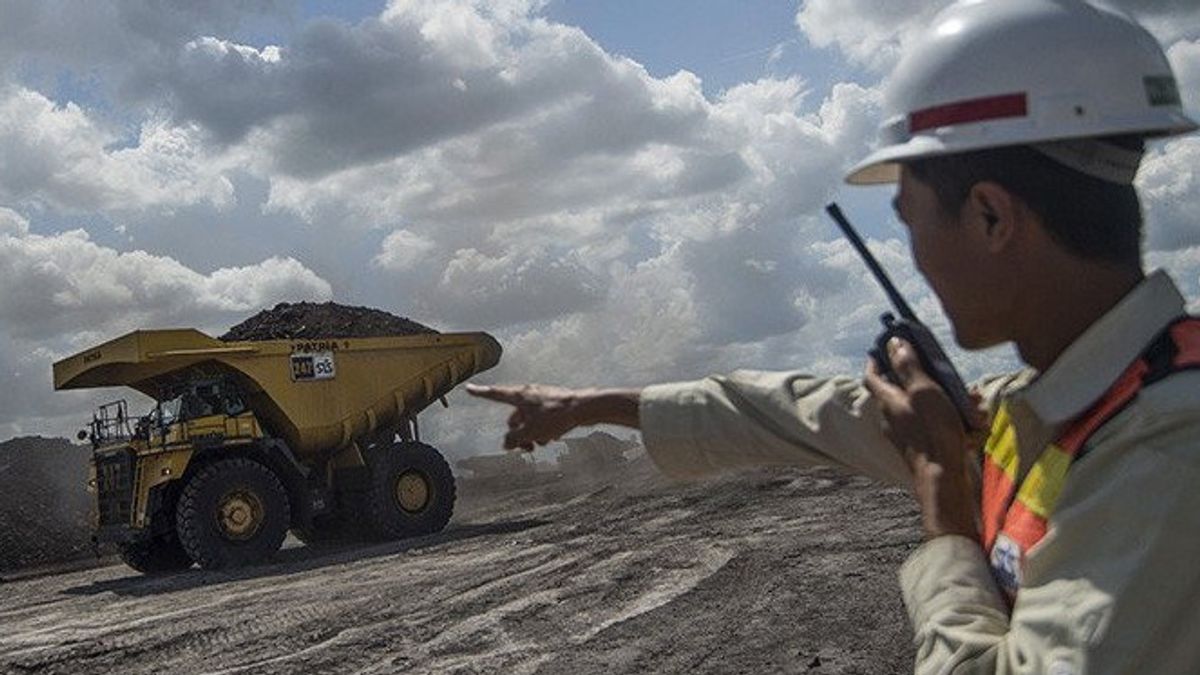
[
  {"x": 1039, "y": 493},
  {"x": 1001, "y": 447}
]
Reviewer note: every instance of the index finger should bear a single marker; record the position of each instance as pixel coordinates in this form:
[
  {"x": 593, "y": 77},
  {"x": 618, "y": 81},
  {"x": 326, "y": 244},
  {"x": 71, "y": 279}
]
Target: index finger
[
  {"x": 879, "y": 386},
  {"x": 905, "y": 362},
  {"x": 509, "y": 395}
]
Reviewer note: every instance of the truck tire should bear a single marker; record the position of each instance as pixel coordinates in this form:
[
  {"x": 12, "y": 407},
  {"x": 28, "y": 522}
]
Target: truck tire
[
  {"x": 233, "y": 512},
  {"x": 159, "y": 555},
  {"x": 411, "y": 491}
]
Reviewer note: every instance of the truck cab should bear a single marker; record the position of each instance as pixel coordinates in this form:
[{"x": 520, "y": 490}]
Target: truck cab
[
  {"x": 206, "y": 410},
  {"x": 137, "y": 461}
]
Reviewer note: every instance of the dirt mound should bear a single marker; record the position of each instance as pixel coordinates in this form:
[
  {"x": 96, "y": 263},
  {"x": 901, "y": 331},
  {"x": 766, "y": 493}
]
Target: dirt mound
[
  {"x": 43, "y": 502},
  {"x": 322, "y": 320}
]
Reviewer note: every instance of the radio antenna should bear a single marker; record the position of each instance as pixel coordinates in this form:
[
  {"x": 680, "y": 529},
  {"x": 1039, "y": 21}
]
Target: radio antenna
[{"x": 898, "y": 302}]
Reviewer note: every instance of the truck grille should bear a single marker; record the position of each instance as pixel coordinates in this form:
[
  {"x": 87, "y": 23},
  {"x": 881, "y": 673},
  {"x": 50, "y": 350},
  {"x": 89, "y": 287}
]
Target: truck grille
[{"x": 114, "y": 487}]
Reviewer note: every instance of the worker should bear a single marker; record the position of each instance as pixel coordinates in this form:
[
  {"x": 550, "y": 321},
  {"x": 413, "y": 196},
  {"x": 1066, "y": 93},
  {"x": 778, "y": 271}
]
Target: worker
[{"x": 1067, "y": 540}]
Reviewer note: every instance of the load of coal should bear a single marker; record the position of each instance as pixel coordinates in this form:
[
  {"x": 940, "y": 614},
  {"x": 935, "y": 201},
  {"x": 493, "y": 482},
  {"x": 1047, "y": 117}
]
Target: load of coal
[
  {"x": 322, "y": 320},
  {"x": 44, "y": 503}
]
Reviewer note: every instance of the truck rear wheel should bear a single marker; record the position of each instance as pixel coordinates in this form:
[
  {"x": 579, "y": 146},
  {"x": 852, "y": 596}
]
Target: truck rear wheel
[
  {"x": 161, "y": 554},
  {"x": 411, "y": 492},
  {"x": 233, "y": 512}
]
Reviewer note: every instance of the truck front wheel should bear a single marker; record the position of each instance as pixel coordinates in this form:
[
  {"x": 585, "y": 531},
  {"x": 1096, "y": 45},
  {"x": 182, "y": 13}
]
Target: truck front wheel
[
  {"x": 231, "y": 513},
  {"x": 411, "y": 493}
]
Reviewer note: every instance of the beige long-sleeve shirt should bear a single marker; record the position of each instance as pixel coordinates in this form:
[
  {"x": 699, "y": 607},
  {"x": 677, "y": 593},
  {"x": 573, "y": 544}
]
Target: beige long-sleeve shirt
[{"x": 1114, "y": 587}]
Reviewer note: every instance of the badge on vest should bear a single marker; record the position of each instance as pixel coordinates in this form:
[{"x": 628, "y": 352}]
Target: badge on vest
[{"x": 1006, "y": 563}]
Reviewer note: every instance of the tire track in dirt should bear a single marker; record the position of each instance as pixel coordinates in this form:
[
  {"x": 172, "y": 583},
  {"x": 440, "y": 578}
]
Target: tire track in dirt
[{"x": 768, "y": 572}]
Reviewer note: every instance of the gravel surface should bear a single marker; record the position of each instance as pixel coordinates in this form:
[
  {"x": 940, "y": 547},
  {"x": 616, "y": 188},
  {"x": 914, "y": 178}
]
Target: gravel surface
[
  {"x": 312, "y": 321},
  {"x": 780, "y": 571}
]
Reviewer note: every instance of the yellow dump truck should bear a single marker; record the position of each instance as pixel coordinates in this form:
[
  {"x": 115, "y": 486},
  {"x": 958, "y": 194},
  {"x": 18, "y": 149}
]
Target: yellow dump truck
[{"x": 247, "y": 440}]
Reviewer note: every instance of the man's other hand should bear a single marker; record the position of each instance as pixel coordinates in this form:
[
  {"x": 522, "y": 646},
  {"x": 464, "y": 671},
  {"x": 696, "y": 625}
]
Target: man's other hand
[{"x": 921, "y": 422}]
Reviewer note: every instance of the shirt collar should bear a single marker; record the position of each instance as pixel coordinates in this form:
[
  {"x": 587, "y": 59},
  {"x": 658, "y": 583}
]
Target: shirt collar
[{"x": 1089, "y": 366}]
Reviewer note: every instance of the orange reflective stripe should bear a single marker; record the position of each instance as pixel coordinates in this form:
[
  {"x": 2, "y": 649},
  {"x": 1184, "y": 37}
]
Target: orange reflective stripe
[
  {"x": 1024, "y": 526},
  {"x": 997, "y": 486},
  {"x": 1122, "y": 391},
  {"x": 999, "y": 472}
]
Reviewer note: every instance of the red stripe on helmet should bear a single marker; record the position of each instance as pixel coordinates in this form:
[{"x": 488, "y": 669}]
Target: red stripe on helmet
[{"x": 975, "y": 110}]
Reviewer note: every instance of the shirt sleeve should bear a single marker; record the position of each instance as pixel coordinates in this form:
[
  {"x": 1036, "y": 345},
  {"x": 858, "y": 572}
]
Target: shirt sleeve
[
  {"x": 1110, "y": 589},
  {"x": 751, "y": 418}
]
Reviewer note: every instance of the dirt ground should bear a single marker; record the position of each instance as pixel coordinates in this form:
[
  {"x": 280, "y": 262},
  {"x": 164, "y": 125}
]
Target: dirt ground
[{"x": 773, "y": 572}]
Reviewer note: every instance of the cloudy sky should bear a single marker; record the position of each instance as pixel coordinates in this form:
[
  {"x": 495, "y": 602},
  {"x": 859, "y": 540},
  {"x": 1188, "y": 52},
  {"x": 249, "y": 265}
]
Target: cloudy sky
[{"x": 623, "y": 192}]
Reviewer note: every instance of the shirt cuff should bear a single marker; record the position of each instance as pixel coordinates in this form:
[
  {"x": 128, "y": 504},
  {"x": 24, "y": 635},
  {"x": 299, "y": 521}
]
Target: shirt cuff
[
  {"x": 944, "y": 573},
  {"x": 668, "y": 416}
]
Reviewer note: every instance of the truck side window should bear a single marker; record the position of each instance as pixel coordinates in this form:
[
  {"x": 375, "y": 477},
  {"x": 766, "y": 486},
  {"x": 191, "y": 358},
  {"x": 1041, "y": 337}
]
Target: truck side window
[{"x": 234, "y": 404}]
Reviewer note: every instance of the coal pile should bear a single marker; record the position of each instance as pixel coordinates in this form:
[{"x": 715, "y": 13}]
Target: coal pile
[
  {"x": 322, "y": 320},
  {"x": 43, "y": 502}
]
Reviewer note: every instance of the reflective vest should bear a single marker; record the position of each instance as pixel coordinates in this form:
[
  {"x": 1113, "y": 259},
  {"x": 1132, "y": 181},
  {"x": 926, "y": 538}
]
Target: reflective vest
[{"x": 1015, "y": 520}]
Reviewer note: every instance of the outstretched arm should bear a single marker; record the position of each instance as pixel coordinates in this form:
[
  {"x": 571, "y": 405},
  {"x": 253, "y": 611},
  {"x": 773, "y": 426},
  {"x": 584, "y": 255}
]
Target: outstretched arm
[
  {"x": 720, "y": 423},
  {"x": 543, "y": 414}
]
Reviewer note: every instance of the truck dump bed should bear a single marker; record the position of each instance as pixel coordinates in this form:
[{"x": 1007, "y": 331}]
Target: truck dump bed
[{"x": 317, "y": 395}]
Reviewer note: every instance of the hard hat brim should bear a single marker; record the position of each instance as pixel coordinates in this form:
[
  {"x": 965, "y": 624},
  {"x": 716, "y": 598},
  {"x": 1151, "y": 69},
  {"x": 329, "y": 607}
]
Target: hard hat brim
[{"x": 883, "y": 165}]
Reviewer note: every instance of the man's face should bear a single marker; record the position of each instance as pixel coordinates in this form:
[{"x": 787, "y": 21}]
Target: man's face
[{"x": 951, "y": 255}]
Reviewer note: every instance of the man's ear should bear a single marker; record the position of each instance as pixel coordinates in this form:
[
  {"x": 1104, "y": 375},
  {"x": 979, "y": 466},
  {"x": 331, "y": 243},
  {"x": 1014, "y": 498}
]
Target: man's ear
[{"x": 993, "y": 212}]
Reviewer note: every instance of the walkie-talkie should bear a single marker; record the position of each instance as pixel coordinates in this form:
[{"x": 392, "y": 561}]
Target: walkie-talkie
[{"x": 908, "y": 327}]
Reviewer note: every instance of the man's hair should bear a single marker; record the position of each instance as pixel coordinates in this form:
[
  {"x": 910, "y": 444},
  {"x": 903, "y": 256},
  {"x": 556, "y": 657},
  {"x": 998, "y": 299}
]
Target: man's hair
[{"x": 1087, "y": 216}]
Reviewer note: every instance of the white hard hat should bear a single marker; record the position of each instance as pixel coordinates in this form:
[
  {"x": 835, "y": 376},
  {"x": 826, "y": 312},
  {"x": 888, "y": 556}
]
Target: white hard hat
[{"x": 1045, "y": 73}]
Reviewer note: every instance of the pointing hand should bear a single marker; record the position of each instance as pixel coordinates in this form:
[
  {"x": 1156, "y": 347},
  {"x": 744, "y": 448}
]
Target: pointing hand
[{"x": 542, "y": 413}]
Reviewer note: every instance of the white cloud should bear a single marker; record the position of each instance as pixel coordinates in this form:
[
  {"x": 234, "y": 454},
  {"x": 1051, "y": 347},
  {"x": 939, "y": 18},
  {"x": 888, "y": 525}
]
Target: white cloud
[
  {"x": 514, "y": 287},
  {"x": 403, "y": 249},
  {"x": 460, "y": 30},
  {"x": 12, "y": 223},
  {"x": 126, "y": 36},
  {"x": 1169, "y": 181},
  {"x": 215, "y": 48},
  {"x": 850, "y": 118},
  {"x": 56, "y": 156},
  {"x": 868, "y": 32},
  {"x": 338, "y": 97},
  {"x": 874, "y": 34},
  {"x": 67, "y": 285},
  {"x": 647, "y": 325},
  {"x": 1185, "y": 60}
]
